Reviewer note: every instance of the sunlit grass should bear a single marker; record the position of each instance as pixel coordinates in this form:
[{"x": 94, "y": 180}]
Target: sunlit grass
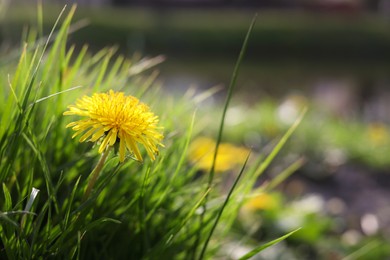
[{"x": 160, "y": 208}]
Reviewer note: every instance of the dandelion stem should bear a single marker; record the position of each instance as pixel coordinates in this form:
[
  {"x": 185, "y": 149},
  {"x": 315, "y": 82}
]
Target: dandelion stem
[{"x": 95, "y": 173}]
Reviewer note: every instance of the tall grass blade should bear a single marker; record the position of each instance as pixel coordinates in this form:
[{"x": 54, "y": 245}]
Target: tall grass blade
[
  {"x": 222, "y": 124},
  {"x": 187, "y": 218},
  {"x": 7, "y": 199},
  {"x": 232, "y": 85},
  {"x": 56, "y": 55},
  {"x": 41, "y": 158},
  {"x": 222, "y": 209},
  {"x": 271, "y": 243},
  {"x": 363, "y": 251},
  {"x": 6, "y": 219},
  {"x": 70, "y": 202},
  {"x": 34, "y": 74},
  {"x": 55, "y": 94},
  {"x": 40, "y": 18},
  {"x": 148, "y": 83},
  {"x": 114, "y": 70},
  {"x": 177, "y": 170},
  {"x": 145, "y": 64},
  {"x": 285, "y": 174},
  {"x": 103, "y": 69},
  {"x": 76, "y": 66},
  {"x": 171, "y": 234},
  {"x": 142, "y": 210},
  {"x": 22, "y": 118},
  {"x": 281, "y": 143},
  {"x": 33, "y": 196}
]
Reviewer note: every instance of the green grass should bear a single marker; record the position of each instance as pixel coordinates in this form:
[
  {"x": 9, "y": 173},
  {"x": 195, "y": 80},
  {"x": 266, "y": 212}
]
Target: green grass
[
  {"x": 169, "y": 208},
  {"x": 163, "y": 209}
]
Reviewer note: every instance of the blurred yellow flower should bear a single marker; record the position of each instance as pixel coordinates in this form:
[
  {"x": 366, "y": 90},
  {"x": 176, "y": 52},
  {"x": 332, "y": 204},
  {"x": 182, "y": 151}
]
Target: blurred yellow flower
[
  {"x": 262, "y": 201},
  {"x": 112, "y": 116},
  {"x": 378, "y": 133},
  {"x": 201, "y": 153}
]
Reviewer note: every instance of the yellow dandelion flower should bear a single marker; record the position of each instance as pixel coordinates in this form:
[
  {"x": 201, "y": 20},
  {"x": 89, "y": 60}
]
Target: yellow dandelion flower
[
  {"x": 378, "y": 134},
  {"x": 114, "y": 117},
  {"x": 201, "y": 153},
  {"x": 262, "y": 201}
]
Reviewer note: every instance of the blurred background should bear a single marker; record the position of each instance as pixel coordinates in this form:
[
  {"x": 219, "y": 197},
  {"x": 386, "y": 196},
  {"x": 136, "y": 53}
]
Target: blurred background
[
  {"x": 330, "y": 55},
  {"x": 337, "y": 48}
]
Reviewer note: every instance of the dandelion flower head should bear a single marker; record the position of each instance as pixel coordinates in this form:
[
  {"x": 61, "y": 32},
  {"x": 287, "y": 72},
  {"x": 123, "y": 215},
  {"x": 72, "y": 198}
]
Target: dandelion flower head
[
  {"x": 378, "y": 134},
  {"x": 263, "y": 201},
  {"x": 201, "y": 153},
  {"x": 113, "y": 118}
]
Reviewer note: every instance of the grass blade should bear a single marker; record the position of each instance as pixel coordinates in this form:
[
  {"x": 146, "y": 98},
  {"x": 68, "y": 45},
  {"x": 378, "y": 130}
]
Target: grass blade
[
  {"x": 103, "y": 68},
  {"x": 188, "y": 217},
  {"x": 363, "y": 251},
  {"x": 222, "y": 208},
  {"x": 285, "y": 174},
  {"x": 232, "y": 85},
  {"x": 280, "y": 144},
  {"x": 55, "y": 94},
  {"x": 177, "y": 170},
  {"x": 170, "y": 235},
  {"x": 7, "y": 199},
  {"x": 221, "y": 126},
  {"x": 271, "y": 243}
]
